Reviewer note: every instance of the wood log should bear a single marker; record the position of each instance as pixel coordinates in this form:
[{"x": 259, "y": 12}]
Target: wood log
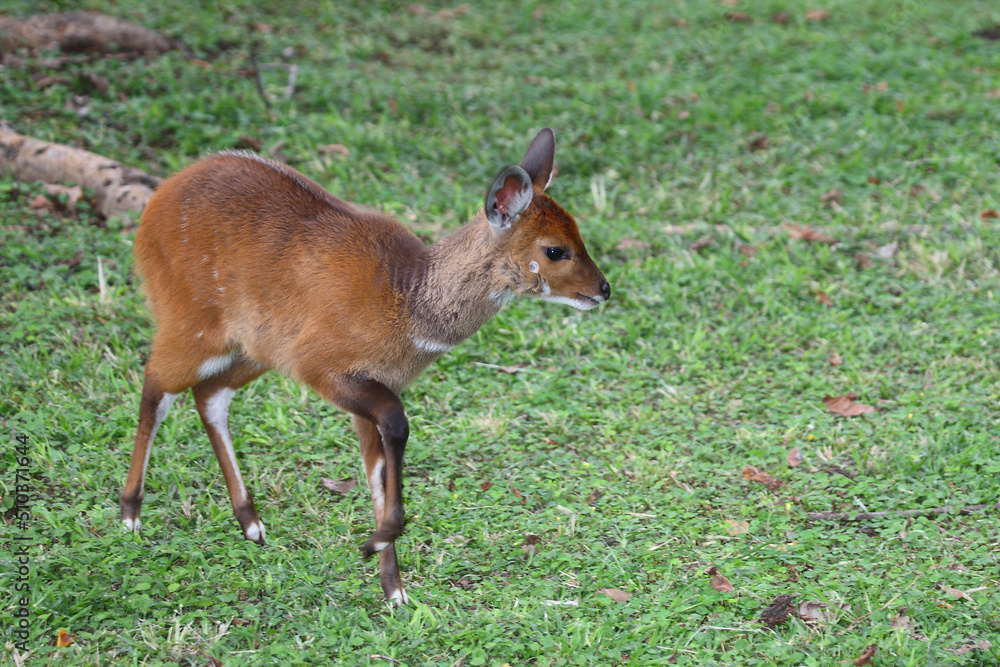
[{"x": 120, "y": 189}]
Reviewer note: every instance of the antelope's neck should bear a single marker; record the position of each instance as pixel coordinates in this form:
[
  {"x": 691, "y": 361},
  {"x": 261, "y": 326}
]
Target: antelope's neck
[{"x": 460, "y": 289}]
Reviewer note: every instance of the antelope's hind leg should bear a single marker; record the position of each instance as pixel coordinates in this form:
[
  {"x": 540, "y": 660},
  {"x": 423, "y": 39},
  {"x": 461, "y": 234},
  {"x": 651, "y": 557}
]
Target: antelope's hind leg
[
  {"x": 212, "y": 398},
  {"x": 153, "y": 407},
  {"x": 374, "y": 459}
]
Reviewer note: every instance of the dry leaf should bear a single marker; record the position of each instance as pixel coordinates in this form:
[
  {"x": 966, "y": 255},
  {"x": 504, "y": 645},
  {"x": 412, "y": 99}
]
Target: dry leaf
[
  {"x": 739, "y": 17},
  {"x": 776, "y": 613},
  {"x": 805, "y": 233},
  {"x": 734, "y": 527},
  {"x": 334, "y": 149},
  {"x": 835, "y": 359},
  {"x": 815, "y": 612},
  {"x": 833, "y": 196},
  {"x": 614, "y": 594},
  {"x": 748, "y": 250},
  {"x": 824, "y": 298},
  {"x": 900, "y": 622},
  {"x": 719, "y": 581},
  {"x": 954, "y": 592},
  {"x": 338, "y": 486},
  {"x": 65, "y": 638},
  {"x": 240, "y": 622},
  {"x": 703, "y": 242},
  {"x": 866, "y": 655},
  {"x": 486, "y": 486},
  {"x": 782, "y": 18},
  {"x": 758, "y": 141},
  {"x": 845, "y": 405},
  {"x": 817, "y": 15},
  {"x": 981, "y": 645},
  {"x": 754, "y": 475},
  {"x": 72, "y": 263},
  {"x": 794, "y": 457},
  {"x": 989, "y": 213},
  {"x": 530, "y": 542},
  {"x": 517, "y": 493},
  {"x": 594, "y": 496}
]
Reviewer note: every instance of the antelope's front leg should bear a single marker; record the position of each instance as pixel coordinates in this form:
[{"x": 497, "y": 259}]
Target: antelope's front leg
[
  {"x": 372, "y": 453},
  {"x": 384, "y": 430}
]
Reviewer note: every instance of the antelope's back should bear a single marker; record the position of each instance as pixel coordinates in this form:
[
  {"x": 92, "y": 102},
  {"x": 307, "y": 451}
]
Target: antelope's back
[{"x": 249, "y": 253}]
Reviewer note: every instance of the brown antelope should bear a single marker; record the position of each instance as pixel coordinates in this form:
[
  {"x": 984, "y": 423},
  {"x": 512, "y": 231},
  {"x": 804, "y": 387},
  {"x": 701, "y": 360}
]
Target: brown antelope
[{"x": 248, "y": 265}]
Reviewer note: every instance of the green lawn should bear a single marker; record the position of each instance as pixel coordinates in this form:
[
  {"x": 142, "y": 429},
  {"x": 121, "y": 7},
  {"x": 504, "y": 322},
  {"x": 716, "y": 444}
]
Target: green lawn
[{"x": 690, "y": 146}]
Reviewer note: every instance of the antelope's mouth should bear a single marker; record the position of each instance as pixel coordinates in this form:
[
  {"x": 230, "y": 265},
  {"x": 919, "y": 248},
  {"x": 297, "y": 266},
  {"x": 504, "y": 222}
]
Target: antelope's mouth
[{"x": 589, "y": 300}]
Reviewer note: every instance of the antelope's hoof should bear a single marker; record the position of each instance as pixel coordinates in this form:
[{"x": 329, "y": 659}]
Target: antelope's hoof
[{"x": 255, "y": 532}]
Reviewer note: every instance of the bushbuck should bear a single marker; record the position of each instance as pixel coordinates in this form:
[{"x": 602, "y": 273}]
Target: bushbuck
[{"x": 249, "y": 266}]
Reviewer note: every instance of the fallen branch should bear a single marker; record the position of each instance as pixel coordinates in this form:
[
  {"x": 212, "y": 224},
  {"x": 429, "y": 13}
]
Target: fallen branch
[
  {"x": 80, "y": 32},
  {"x": 848, "y": 517},
  {"x": 120, "y": 189}
]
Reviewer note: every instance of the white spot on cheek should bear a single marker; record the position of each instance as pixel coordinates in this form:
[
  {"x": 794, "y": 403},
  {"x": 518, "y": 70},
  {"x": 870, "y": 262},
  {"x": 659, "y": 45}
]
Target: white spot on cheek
[
  {"x": 546, "y": 290},
  {"x": 215, "y": 365},
  {"x": 533, "y": 266}
]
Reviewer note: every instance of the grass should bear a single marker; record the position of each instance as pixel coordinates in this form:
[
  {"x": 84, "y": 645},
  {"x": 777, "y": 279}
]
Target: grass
[{"x": 626, "y": 432}]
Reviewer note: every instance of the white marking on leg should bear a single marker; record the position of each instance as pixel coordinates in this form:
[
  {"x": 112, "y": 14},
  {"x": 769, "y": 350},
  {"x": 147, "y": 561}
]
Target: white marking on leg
[
  {"x": 161, "y": 411},
  {"x": 130, "y": 525},
  {"x": 378, "y": 493},
  {"x": 255, "y": 532},
  {"x": 381, "y": 546},
  {"x": 217, "y": 415},
  {"x": 431, "y": 346},
  {"x": 398, "y": 597},
  {"x": 215, "y": 365}
]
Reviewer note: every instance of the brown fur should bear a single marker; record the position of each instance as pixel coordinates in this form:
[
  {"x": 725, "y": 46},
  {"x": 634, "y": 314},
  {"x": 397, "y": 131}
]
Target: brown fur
[{"x": 248, "y": 260}]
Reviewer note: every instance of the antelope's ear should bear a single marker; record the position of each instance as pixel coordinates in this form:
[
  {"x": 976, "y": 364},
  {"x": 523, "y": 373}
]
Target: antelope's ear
[
  {"x": 509, "y": 195},
  {"x": 540, "y": 159}
]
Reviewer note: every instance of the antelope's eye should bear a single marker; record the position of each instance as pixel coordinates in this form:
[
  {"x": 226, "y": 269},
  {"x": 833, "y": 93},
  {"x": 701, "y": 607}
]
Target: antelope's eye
[{"x": 555, "y": 254}]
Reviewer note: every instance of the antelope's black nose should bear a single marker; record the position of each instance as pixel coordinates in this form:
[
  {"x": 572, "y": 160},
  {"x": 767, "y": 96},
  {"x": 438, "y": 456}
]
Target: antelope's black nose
[{"x": 606, "y": 290}]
